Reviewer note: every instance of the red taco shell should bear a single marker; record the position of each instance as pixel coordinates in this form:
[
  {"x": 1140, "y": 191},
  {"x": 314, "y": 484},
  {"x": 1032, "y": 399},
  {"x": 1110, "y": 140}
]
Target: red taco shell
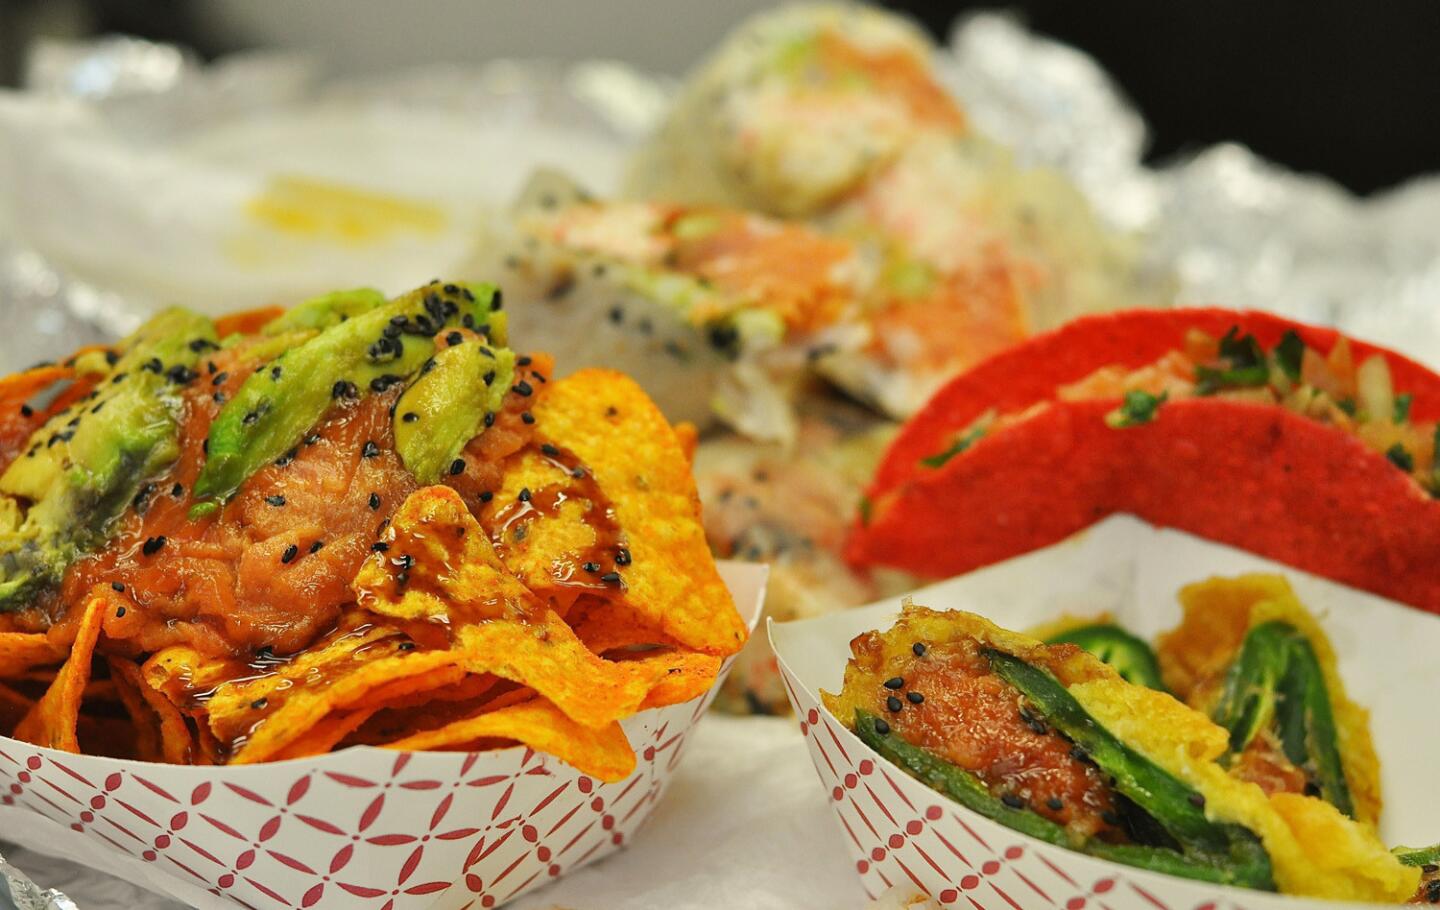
[
  {"x": 1254, "y": 476},
  {"x": 1026, "y": 373}
]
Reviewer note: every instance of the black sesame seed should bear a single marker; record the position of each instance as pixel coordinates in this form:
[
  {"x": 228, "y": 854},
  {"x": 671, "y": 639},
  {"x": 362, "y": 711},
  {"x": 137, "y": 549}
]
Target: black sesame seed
[
  {"x": 549, "y": 450},
  {"x": 591, "y": 567},
  {"x": 497, "y": 301},
  {"x": 881, "y": 727},
  {"x": 427, "y": 366},
  {"x": 457, "y": 466},
  {"x": 120, "y": 613},
  {"x": 181, "y": 374},
  {"x": 454, "y": 338},
  {"x": 410, "y": 417},
  {"x": 452, "y": 289},
  {"x": 379, "y": 546},
  {"x": 374, "y": 502},
  {"x": 118, "y": 587},
  {"x": 381, "y": 383},
  {"x": 1055, "y": 803},
  {"x": 523, "y": 361},
  {"x": 177, "y": 491},
  {"x": 914, "y": 698},
  {"x": 1430, "y": 868},
  {"x": 404, "y": 561},
  {"x": 617, "y": 315},
  {"x": 111, "y": 358},
  {"x": 1011, "y": 800},
  {"x": 468, "y": 321},
  {"x": 153, "y": 365},
  {"x": 152, "y": 545},
  {"x": 96, "y": 409},
  {"x": 622, "y": 557},
  {"x": 486, "y": 496},
  {"x": 489, "y": 377},
  {"x": 315, "y": 547},
  {"x": 290, "y": 553},
  {"x": 487, "y": 352},
  {"x": 895, "y": 682},
  {"x": 539, "y": 377},
  {"x": 276, "y": 500},
  {"x": 918, "y": 648},
  {"x": 26, "y": 411},
  {"x": 118, "y": 377},
  {"x": 370, "y": 449},
  {"x": 1197, "y": 800},
  {"x": 522, "y": 388},
  {"x": 1432, "y": 892},
  {"x": 312, "y": 439},
  {"x": 218, "y": 398},
  {"x": 611, "y": 578},
  {"x": 526, "y": 417},
  {"x": 407, "y": 646},
  {"x": 524, "y": 492},
  {"x": 259, "y": 704},
  {"x": 489, "y": 418},
  {"x": 390, "y": 333},
  {"x": 343, "y": 389},
  {"x": 577, "y": 473},
  {"x": 894, "y": 704},
  {"x": 250, "y": 418}
]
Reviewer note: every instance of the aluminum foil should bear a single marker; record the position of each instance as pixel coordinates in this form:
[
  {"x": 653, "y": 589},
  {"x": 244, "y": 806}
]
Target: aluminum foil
[
  {"x": 18, "y": 892},
  {"x": 1234, "y": 228}
]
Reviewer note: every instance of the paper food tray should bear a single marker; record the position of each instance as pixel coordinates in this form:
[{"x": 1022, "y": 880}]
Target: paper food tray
[
  {"x": 359, "y": 828},
  {"x": 901, "y": 832}
]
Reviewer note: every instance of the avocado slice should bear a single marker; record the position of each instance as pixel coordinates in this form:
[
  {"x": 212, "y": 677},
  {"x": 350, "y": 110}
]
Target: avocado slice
[
  {"x": 444, "y": 407},
  {"x": 319, "y": 313},
  {"x": 85, "y": 465},
  {"x": 277, "y": 405}
]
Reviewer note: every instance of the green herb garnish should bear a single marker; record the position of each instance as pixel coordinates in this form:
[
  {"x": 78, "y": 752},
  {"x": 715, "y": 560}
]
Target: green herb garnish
[
  {"x": 1401, "y": 457},
  {"x": 1402, "y": 407},
  {"x": 959, "y": 445},
  {"x": 1138, "y": 407},
  {"x": 1289, "y": 354},
  {"x": 1245, "y": 365}
]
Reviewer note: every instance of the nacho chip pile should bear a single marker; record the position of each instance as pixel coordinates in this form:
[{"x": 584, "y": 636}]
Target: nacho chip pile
[{"x": 552, "y": 581}]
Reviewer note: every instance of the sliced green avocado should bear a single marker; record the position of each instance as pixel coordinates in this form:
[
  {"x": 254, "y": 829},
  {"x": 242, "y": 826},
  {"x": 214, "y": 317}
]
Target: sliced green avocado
[
  {"x": 85, "y": 465},
  {"x": 277, "y": 405},
  {"x": 327, "y": 310},
  {"x": 445, "y": 405}
]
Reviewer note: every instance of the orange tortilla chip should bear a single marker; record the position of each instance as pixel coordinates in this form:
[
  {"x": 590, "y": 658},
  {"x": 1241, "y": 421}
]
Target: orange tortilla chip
[
  {"x": 687, "y": 675},
  {"x": 639, "y": 463},
  {"x": 437, "y": 543},
  {"x": 607, "y": 625},
  {"x": 173, "y": 741},
  {"x": 54, "y": 719},
  {"x": 22, "y": 651},
  {"x": 604, "y": 753},
  {"x": 497, "y": 625},
  {"x": 325, "y": 735}
]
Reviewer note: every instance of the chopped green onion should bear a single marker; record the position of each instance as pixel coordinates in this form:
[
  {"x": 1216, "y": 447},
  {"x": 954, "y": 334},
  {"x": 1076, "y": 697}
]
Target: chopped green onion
[
  {"x": 1402, "y": 407},
  {"x": 1139, "y": 407},
  {"x": 959, "y": 445},
  {"x": 1401, "y": 457},
  {"x": 1289, "y": 354}
]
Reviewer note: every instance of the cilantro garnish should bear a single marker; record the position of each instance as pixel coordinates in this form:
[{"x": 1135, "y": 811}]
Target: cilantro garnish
[
  {"x": 1245, "y": 365},
  {"x": 1401, "y": 457},
  {"x": 956, "y": 447},
  {"x": 1289, "y": 353},
  {"x": 1137, "y": 408},
  {"x": 1402, "y": 407},
  {"x": 865, "y": 509}
]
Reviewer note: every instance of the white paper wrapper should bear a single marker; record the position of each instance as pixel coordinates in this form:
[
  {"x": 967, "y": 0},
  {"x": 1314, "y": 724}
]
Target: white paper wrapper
[
  {"x": 900, "y": 832},
  {"x": 363, "y": 827}
]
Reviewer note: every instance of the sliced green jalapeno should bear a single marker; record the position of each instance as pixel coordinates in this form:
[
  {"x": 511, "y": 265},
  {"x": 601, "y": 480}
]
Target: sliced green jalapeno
[
  {"x": 1276, "y": 683},
  {"x": 1130, "y": 656}
]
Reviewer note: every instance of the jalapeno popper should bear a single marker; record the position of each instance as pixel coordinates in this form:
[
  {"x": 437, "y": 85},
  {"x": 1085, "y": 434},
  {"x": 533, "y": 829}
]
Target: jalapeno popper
[
  {"x": 1288, "y": 440},
  {"x": 364, "y": 520},
  {"x": 1050, "y": 741},
  {"x": 1249, "y": 655}
]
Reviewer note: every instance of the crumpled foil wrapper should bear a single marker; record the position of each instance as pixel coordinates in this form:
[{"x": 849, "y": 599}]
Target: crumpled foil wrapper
[
  {"x": 1235, "y": 229},
  {"x": 17, "y": 892}
]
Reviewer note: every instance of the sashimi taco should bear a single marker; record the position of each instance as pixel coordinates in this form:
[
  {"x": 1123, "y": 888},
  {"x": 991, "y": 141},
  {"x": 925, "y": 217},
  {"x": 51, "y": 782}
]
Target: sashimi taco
[{"x": 1288, "y": 440}]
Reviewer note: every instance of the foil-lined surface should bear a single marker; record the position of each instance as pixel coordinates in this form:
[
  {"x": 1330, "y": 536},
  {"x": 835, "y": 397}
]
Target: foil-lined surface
[
  {"x": 1235, "y": 229},
  {"x": 18, "y": 892}
]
